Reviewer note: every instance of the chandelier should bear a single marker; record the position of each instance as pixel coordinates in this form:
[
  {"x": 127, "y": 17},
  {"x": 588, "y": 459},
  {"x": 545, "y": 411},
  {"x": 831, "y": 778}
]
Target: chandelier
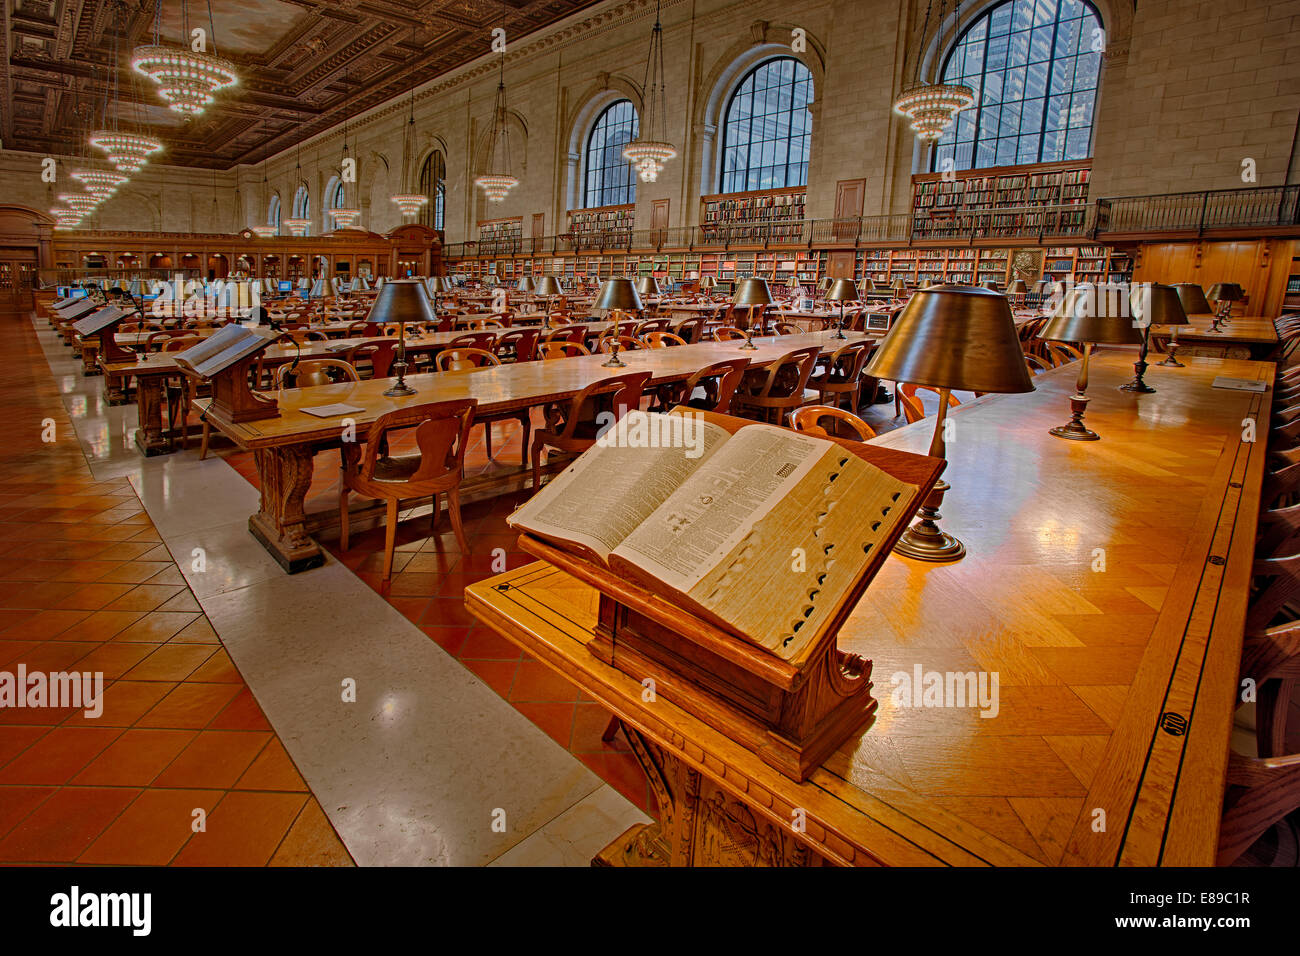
[
  {"x": 650, "y": 150},
  {"x": 126, "y": 151},
  {"x": 498, "y": 182},
  {"x": 65, "y": 219},
  {"x": 264, "y": 232},
  {"x": 410, "y": 203},
  {"x": 932, "y": 107},
  {"x": 297, "y": 227},
  {"x": 345, "y": 217},
  {"x": 80, "y": 203},
  {"x": 187, "y": 78},
  {"x": 98, "y": 182}
]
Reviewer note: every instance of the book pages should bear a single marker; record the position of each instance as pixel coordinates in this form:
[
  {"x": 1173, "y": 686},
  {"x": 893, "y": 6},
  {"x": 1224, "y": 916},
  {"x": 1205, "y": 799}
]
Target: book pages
[{"x": 615, "y": 485}]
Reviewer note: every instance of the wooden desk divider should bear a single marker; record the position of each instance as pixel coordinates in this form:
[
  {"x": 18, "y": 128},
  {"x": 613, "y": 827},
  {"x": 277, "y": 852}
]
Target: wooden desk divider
[
  {"x": 793, "y": 714},
  {"x": 226, "y": 359}
]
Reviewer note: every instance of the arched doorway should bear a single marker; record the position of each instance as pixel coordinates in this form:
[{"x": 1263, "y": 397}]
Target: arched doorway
[
  {"x": 218, "y": 267},
  {"x": 25, "y": 248}
]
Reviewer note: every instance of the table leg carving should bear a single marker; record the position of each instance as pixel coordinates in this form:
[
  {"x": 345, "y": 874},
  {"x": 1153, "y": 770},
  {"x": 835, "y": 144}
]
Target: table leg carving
[
  {"x": 115, "y": 389},
  {"x": 149, "y": 400},
  {"x": 285, "y": 475}
]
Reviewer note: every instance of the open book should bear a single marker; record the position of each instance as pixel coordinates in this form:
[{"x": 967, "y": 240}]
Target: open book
[
  {"x": 98, "y": 321},
  {"x": 763, "y": 532},
  {"x": 220, "y": 351}
]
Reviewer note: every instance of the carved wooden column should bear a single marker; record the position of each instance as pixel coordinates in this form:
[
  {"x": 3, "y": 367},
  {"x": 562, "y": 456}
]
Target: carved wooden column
[
  {"x": 280, "y": 523},
  {"x": 148, "y": 399}
]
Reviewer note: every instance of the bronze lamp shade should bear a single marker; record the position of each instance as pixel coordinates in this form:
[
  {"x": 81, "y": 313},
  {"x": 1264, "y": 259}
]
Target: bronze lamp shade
[
  {"x": 824, "y": 283},
  {"x": 618, "y": 295},
  {"x": 793, "y": 281},
  {"x": 1193, "y": 299},
  {"x": 648, "y": 285},
  {"x": 843, "y": 290},
  {"x": 950, "y": 337},
  {"x": 708, "y": 282},
  {"x": 991, "y": 284},
  {"x": 1017, "y": 287},
  {"x": 402, "y": 301},
  {"x": 1226, "y": 292},
  {"x": 899, "y": 286},
  {"x": 548, "y": 285},
  {"x": 525, "y": 284},
  {"x": 865, "y": 285},
  {"x": 752, "y": 291}
]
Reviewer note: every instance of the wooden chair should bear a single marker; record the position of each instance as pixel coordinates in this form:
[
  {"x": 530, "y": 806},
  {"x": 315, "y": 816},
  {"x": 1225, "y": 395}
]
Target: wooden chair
[
  {"x": 483, "y": 325},
  {"x": 708, "y": 389},
  {"x": 517, "y": 345},
  {"x": 567, "y": 333},
  {"x": 441, "y": 433},
  {"x": 1037, "y": 365},
  {"x": 786, "y": 328},
  {"x": 913, "y": 410},
  {"x": 453, "y": 359},
  {"x": 828, "y": 420},
  {"x": 727, "y": 333},
  {"x": 692, "y": 330},
  {"x": 1063, "y": 354},
  {"x": 573, "y": 427},
  {"x": 316, "y": 372},
  {"x": 625, "y": 343},
  {"x": 379, "y": 355},
  {"x": 484, "y": 340},
  {"x": 643, "y": 329},
  {"x": 770, "y": 394},
  {"x": 662, "y": 340},
  {"x": 842, "y": 376},
  {"x": 559, "y": 350}
]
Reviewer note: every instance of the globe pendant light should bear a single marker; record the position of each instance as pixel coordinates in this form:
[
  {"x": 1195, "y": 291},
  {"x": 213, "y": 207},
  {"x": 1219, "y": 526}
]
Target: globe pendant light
[
  {"x": 497, "y": 182},
  {"x": 932, "y": 107},
  {"x": 650, "y": 150},
  {"x": 410, "y": 202},
  {"x": 187, "y": 79}
]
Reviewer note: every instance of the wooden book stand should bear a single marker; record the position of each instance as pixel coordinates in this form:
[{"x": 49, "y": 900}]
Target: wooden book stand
[{"x": 793, "y": 714}]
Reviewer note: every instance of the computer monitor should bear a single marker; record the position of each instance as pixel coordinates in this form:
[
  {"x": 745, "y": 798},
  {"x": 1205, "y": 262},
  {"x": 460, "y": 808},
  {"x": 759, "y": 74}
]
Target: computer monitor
[
  {"x": 285, "y": 285},
  {"x": 79, "y": 293}
]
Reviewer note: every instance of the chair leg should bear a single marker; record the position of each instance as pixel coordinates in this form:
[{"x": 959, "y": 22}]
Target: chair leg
[
  {"x": 436, "y": 512},
  {"x": 453, "y": 509},
  {"x": 343, "y": 518},
  {"x": 487, "y": 437},
  {"x": 390, "y": 537},
  {"x": 207, "y": 436},
  {"x": 611, "y": 730}
]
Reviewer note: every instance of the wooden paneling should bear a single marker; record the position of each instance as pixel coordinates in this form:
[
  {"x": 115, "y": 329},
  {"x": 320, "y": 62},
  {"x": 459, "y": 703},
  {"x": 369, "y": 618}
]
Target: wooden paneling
[{"x": 1259, "y": 266}]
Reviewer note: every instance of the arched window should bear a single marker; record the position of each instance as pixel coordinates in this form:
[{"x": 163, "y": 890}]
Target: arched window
[
  {"x": 273, "y": 214},
  {"x": 337, "y": 201},
  {"x": 609, "y": 179},
  {"x": 1033, "y": 65},
  {"x": 767, "y": 128},
  {"x": 433, "y": 176},
  {"x": 301, "y": 204}
]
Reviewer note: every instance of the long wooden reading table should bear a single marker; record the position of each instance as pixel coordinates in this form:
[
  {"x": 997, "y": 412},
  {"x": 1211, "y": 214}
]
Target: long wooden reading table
[
  {"x": 285, "y": 446},
  {"x": 1105, "y": 584}
]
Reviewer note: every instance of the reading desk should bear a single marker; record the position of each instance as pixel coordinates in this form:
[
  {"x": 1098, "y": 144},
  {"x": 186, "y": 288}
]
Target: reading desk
[{"x": 1105, "y": 584}]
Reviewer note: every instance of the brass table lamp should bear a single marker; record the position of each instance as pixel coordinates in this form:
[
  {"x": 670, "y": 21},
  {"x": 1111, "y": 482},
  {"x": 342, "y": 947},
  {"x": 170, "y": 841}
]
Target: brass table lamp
[
  {"x": 1017, "y": 288},
  {"x": 708, "y": 283},
  {"x": 648, "y": 286},
  {"x": 1192, "y": 300},
  {"x": 617, "y": 296},
  {"x": 865, "y": 285},
  {"x": 401, "y": 301},
  {"x": 548, "y": 287},
  {"x": 899, "y": 287},
  {"x": 1083, "y": 316},
  {"x": 1151, "y": 304},
  {"x": 842, "y": 291},
  {"x": 949, "y": 337},
  {"x": 755, "y": 294},
  {"x": 991, "y": 284},
  {"x": 824, "y": 284},
  {"x": 1223, "y": 294}
]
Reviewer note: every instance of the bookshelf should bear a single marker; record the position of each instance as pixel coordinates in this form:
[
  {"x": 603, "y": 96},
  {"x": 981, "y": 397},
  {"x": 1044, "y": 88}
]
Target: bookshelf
[
  {"x": 492, "y": 229},
  {"x": 774, "y": 215},
  {"x": 605, "y": 226},
  {"x": 942, "y": 206},
  {"x": 1291, "y": 296}
]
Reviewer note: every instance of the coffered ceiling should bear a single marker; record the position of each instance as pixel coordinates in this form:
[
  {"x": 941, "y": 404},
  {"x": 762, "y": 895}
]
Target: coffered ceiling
[{"x": 303, "y": 65}]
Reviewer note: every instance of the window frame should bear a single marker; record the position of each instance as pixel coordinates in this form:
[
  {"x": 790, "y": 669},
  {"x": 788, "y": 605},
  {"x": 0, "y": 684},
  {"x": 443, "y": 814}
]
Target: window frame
[
  {"x": 630, "y": 170},
  {"x": 986, "y": 17},
  {"x": 806, "y": 135}
]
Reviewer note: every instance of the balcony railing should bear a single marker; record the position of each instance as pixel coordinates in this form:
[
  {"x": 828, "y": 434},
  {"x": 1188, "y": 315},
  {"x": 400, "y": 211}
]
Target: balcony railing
[
  {"x": 1259, "y": 207},
  {"x": 1255, "y": 207}
]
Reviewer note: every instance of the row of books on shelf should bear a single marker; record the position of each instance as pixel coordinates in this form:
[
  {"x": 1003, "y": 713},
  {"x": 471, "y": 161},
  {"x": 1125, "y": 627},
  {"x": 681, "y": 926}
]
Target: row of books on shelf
[{"x": 754, "y": 208}]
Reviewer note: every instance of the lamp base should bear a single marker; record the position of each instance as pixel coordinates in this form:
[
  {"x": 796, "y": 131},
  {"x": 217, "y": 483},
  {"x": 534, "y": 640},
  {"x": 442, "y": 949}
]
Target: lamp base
[
  {"x": 749, "y": 345},
  {"x": 1074, "y": 431},
  {"x": 925, "y": 540},
  {"x": 1137, "y": 385},
  {"x": 399, "y": 388},
  {"x": 614, "y": 362}
]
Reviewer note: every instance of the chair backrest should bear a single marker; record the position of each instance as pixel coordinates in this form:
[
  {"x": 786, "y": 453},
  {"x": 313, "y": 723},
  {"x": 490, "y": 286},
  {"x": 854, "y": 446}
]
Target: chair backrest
[
  {"x": 662, "y": 340},
  {"x": 628, "y": 328},
  {"x": 910, "y": 390},
  {"x": 519, "y": 344},
  {"x": 826, "y": 420},
  {"x": 380, "y": 355},
  {"x": 787, "y": 328},
  {"x": 692, "y": 329},
  {"x": 562, "y": 349},
  {"x": 481, "y": 325},
  {"x": 1037, "y": 364},
  {"x": 568, "y": 333},
  {"x": 625, "y": 343},
  {"x": 782, "y": 383},
  {"x": 719, "y": 381},
  {"x": 450, "y": 360},
  {"x": 315, "y": 372},
  {"x": 651, "y": 325},
  {"x": 727, "y": 333},
  {"x": 622, "y": 398},
  {"x": 441, "y": 434},
  {"x": 483, "y": 340},
  {"x": 179, "y": 343},
  {"x": 845, "y": 364}
]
